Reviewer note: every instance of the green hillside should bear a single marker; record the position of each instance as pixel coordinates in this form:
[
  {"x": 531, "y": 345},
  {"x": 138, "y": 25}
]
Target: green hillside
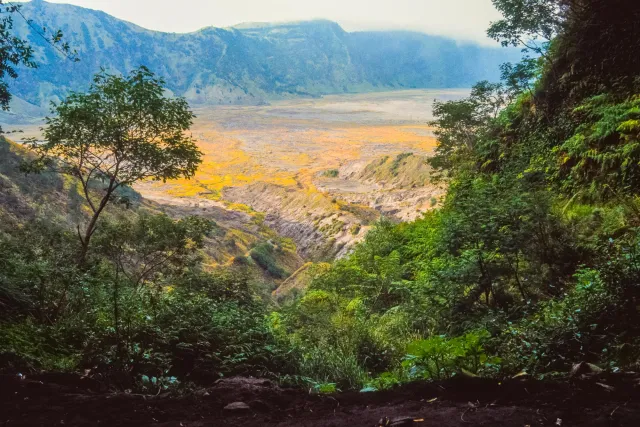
[{"x": 528, "y": 268}]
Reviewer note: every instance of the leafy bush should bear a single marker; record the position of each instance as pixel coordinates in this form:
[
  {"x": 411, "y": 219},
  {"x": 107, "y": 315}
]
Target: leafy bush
[
  {"x": 604, "y": 153},
  {"x": 384, "y": 381},
  {"x": 263, "y": 255},
  {"x": 569, "y": 326},
  {"x": 27, "y": 347},
  {"x": 327, "y": 364},
  {"x": 439, "y": 357},
  {"x": 331, "y": 173}
]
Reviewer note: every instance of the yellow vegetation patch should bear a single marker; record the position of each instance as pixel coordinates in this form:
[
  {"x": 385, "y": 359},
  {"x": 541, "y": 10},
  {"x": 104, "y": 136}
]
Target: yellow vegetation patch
[
  {"x": 242, "y": 146},
  {"x": 239, "y": 207}
]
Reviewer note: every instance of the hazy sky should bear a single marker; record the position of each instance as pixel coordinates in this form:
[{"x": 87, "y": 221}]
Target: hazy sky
[{"x": 461, "y": 19}]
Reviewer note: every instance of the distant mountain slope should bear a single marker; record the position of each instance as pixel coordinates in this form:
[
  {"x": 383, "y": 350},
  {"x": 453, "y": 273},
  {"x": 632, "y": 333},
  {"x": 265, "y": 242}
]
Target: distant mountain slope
[{"x": 247, "y": 64}]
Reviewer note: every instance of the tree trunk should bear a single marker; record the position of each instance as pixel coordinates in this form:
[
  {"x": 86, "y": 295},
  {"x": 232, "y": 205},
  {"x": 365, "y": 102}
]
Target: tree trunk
[
  {"x": 91, "y": 228},
  {"x": 116, "y": 314}
]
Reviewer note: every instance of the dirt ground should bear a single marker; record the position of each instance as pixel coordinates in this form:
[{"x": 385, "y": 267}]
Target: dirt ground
[{"x": 57, "y": 401}]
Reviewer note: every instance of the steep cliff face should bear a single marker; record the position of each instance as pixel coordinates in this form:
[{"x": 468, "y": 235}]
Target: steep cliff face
[{"x": 247, "y": 64}]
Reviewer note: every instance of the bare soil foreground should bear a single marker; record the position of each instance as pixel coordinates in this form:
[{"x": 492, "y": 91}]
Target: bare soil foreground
[{"x": 51, "y": 400}]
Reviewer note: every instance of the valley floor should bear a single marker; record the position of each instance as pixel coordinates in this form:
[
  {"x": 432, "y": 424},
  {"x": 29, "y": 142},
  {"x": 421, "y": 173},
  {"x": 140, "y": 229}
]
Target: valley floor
[
  {"x": 317, "y": 171},
  {"x": 295, "y": 159},
  {"x": 48, "y": 401}
]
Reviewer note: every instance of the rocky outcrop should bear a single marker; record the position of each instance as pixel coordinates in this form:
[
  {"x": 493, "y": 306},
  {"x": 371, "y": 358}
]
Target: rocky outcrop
[{"x": 326, "y": 222}]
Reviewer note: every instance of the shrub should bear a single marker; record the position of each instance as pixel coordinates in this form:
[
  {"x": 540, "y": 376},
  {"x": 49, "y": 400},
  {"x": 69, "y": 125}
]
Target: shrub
[
  {"x": 331, "y": 173},
  {"x": 439, "y": 357},
  {"x": 263, "y": 255},
  {"x": 327, "y": 364},
  {"x": 568, "y": 326}
]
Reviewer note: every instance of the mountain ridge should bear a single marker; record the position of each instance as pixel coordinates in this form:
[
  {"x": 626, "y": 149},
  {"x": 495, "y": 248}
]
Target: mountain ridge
[{"x": 246, "y": 64}]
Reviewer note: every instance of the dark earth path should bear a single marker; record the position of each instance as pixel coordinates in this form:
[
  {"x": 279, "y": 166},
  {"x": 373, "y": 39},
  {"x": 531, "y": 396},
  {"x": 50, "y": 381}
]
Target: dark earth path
[{"x": 52, "y": 400}]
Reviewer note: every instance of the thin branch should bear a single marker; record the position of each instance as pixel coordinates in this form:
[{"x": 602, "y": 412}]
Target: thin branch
[
  {"x": 80, "y": 234},
  {"x": 37, "y": 31}
]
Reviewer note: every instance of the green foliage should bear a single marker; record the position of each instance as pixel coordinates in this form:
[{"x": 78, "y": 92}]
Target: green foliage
[
  {"x": 531, "y": 263},
  {"x": 384, "y": 381},
  {"x": 536, "y": 241},
  {"x": 439, "y": 357},
  {"x": 14, "y": 51},
  {"x": 332, "y": 367},
  {"x": 604, "y": 153},
  {"x": 569, "y": 325},
  {"x": 326, "y": 388},
  {"x": 525, "y": 21},
  {"x": 129, "y": 124},
  {"x": 263, "y": 255},
  {"x": 35, "y": 277},
  {"x": 462, "y": 124},
  {"x": 27, "y": 346},
  {"x": 123, "y": 130},
  {"x": 336, "y": 340},
  {"x": 151, "y": 245},
  {"x": 331, "y": 173},
  {"x": 142, "y": 307}
]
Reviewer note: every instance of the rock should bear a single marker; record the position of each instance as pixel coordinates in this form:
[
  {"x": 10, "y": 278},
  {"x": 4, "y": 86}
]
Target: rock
[
  {"x": 595, "y": 369},
  {"x": 606, "y": 387},
  {"x": 397, "y": 422},
  {"x": 584, "y": 368},
  {"x": 201, "y": 393},
  {"x": 237, "y": 406}
]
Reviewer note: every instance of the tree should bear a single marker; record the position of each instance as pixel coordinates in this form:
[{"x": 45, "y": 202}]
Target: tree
[
  {"x": 526, "y": 21},
  {"x": 146, "y": 251},
  {"x": 152, "y": 245},
  {"x": 461, "y": 124},
  {"x": 15, "y": 51},
  {"x": 122, "y": 131}
]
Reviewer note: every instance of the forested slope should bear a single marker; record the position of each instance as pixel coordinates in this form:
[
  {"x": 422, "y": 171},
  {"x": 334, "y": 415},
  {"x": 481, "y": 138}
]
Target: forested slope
[
  {"x": 531, "y": 263},
  {"x": 530, "y": 266}
]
